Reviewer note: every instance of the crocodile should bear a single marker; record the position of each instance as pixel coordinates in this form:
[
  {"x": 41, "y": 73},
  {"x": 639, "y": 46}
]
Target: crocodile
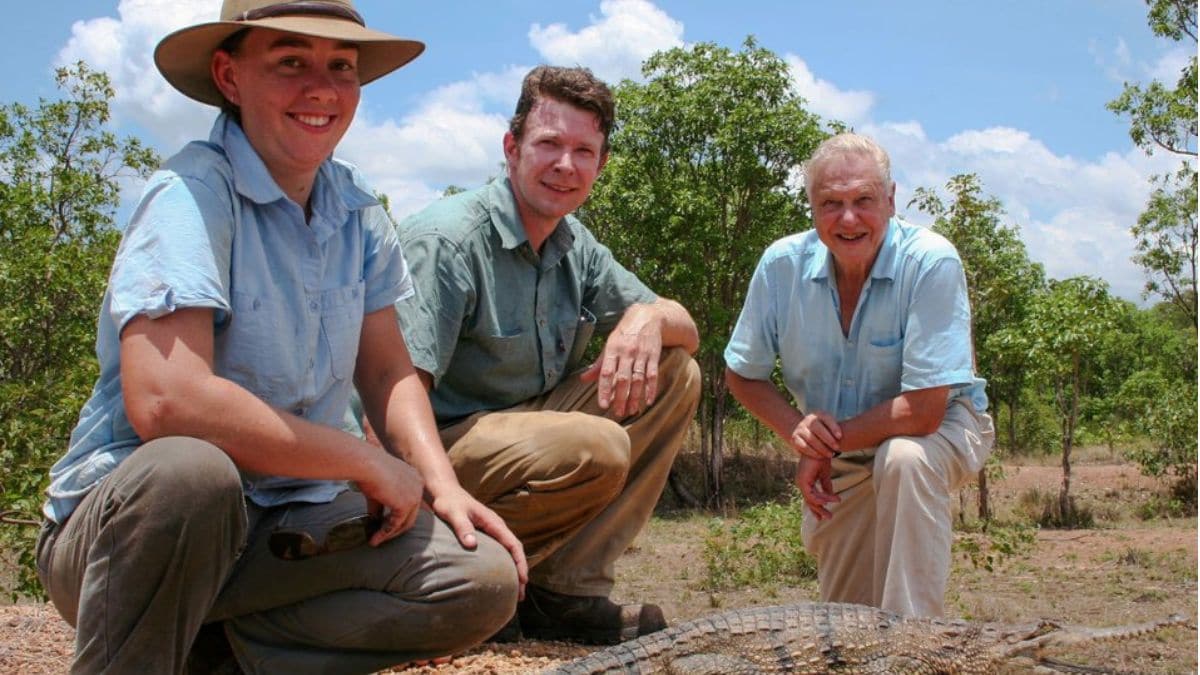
[{"x": 844, "y": 638}]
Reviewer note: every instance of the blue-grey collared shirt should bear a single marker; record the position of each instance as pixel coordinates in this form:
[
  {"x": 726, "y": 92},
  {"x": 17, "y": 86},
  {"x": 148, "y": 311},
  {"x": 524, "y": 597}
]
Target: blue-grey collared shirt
[
  {"x": 494, "y": 322},
  {"x": 214, "y": 230},
  {"x": 911, "y": 330}
]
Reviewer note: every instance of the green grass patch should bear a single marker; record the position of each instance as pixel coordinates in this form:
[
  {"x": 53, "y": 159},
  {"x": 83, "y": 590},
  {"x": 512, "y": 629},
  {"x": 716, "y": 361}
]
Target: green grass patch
[{"x": 760, "y": 548}]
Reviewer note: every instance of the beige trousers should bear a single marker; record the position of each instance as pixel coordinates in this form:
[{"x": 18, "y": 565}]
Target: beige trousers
[
  {"x": 888, "y": 542},
  {"x": 572, "y": 484}
]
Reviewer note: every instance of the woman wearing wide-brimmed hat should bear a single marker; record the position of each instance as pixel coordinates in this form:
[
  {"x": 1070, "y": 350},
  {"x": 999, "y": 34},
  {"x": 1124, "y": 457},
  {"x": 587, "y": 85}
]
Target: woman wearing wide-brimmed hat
[{"x": 207, "y": 481}]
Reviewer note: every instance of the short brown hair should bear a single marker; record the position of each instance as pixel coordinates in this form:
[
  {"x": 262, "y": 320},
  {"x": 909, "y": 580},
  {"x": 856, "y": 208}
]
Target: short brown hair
[{"x": 575, "y": 86}]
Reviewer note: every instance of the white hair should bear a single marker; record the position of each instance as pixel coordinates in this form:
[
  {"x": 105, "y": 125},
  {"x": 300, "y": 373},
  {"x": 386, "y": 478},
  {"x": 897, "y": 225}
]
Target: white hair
[{"x": 841, "y": 145}]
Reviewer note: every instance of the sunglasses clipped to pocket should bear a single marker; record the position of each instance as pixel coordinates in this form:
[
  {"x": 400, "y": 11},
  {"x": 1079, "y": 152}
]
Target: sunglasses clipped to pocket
[{"x": 307, "y": 530}]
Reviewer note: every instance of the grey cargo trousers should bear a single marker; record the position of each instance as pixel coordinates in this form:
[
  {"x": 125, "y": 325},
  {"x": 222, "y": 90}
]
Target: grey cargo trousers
[{"x": 167, "y": 543}]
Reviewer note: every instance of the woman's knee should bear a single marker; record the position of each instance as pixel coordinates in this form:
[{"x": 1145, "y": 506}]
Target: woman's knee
[
  {"x": 494, "y": 575},
  {"x": 184, "y": 478}
]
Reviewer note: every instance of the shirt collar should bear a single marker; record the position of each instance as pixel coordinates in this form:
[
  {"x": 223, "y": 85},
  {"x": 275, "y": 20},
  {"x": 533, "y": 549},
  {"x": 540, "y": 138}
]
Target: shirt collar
[
  {"x": 507, "y": 221},
  {"x": 335, "y": 193},
  {"x": 885, "y": 261},
  {"x": 250, "y": 176},
  {"x": 820, "y": 266}
]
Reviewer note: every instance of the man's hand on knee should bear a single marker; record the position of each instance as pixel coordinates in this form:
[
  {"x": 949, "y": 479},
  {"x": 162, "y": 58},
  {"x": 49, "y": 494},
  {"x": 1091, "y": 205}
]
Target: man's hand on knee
[{"x": 627, "y": 371}]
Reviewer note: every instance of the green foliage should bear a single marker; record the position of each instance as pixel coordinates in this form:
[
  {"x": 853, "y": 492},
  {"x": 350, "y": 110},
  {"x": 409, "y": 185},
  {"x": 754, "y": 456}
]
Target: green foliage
[
  {"x": 1166, "y": 238},
  {"x": 1037, "y": 431},
  {"x": 1162, "y": 117},
  {"x": 1164, "y": 410},
  {"x": 1001, "y": 281},
  {"x": 1180, "y": 503},
  {"x": 989, "y": 547},
  {"x": 59, "y": 172},
  {"x": 760, "y": 549},
  {"x": 700, "y": 180},
  {"x": 1068, "y": 325}
]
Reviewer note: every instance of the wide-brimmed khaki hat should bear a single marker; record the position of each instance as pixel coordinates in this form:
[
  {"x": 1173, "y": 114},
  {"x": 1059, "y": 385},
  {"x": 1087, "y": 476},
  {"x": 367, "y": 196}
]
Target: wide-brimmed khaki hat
[{"x": 184, "y": 57}]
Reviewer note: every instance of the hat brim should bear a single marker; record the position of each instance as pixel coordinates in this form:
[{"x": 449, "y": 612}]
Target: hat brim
[{"x": 184, "y": 57}]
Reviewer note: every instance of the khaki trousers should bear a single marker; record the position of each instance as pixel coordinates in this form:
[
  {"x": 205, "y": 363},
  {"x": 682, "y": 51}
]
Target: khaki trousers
[
  {"x": 167, "y": 542},
  {"x": 573, "y": 485},
  {"x": 888, "y": 542}
]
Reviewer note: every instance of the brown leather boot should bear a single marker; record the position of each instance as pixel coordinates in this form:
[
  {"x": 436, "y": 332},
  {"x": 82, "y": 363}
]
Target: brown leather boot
[{"x": 588, "y": 619}]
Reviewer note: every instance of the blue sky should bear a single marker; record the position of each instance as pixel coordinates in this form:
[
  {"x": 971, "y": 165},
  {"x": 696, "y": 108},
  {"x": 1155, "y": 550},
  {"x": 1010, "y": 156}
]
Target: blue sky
[{"x": 1013, "y": 91}]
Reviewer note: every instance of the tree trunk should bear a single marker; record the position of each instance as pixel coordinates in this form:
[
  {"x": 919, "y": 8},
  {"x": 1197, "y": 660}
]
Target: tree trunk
[
  {"x": 716, "y": 425},
  {"x": 1064, "y": 497},
  {"x": 706, "y": 447},
  {"x": 1012, "y": 424},
  {"x": 681, "y": 492},
  {"x": 1071, "y": 414},
  {"x": 985, "y": 509}
]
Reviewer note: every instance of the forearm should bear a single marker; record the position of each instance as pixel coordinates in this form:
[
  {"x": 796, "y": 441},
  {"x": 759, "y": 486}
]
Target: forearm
[
  {"x": 257, "y": 437},
  {"x": 764, "y": 400},
  {"x": 400, "y": 407},
  {"x": 395, "y": 398},
  {"x": 912, "y": 413}
]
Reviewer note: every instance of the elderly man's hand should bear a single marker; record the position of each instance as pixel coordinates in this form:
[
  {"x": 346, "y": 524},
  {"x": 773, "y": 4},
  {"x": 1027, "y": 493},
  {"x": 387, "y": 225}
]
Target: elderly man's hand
[
  {"x": 814, "y": 478},
  {"x": 627, "y": 370},
  {"x": 817, "y": 436}
]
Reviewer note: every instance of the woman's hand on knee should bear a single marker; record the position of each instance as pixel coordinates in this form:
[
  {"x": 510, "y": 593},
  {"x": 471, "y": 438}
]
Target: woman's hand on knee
[{"x": 394, "y": 494}]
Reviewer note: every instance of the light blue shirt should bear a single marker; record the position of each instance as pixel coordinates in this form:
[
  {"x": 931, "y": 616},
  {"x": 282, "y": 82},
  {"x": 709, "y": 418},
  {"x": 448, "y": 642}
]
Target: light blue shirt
[
  {"x": 214, "y": 230},
  {"x": 911, "y": 330}
]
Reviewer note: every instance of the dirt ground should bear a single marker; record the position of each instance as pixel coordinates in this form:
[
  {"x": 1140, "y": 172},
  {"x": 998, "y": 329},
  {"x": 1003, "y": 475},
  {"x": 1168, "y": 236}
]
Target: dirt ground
[{"x": 1121, "y": 571}]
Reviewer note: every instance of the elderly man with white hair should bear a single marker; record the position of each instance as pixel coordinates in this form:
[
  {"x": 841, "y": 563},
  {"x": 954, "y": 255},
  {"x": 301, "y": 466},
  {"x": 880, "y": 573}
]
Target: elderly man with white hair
[{"x": 869, "y": 319}]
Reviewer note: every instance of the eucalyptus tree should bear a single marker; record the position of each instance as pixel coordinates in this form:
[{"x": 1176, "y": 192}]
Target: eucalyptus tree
[
  {"x": 1068, "y": 325},
  {"x": 703, "y": 175}
]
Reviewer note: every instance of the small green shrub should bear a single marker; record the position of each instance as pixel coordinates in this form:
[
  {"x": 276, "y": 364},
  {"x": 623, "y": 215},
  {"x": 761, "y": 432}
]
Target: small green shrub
[
  {"x": 761, "y": 548},
  {"x": 1167, "y": 506},
  {"x": 990, "y": 546}
]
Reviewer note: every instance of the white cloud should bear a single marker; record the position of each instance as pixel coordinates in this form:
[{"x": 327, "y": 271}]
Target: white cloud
[
  {"x": 1115, "y": 63},
  {"x": 614, "y": 45},
  {"x": 1168, "y": 66},
  {"x": 124, "y": 47},
  {"x": 1074, "y": 215},
  {"x": 451, "y": 139},
  {"x": 826, "y": 99},
  {"x": 414, "y": 159}
]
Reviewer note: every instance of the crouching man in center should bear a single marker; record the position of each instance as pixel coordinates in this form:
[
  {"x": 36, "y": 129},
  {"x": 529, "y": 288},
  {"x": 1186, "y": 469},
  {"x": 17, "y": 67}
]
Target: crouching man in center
[{"x": 511, "y": 288}]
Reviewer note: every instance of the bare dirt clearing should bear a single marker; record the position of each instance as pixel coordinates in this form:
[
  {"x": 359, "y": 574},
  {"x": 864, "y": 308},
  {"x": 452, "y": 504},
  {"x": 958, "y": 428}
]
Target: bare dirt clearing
[{"x": 1122, "y": 571}]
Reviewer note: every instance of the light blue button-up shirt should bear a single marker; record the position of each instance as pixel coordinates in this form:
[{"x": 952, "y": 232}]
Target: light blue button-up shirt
[
  {"x": 214, "y": 230},
  {"x": 911, "y": 330}
]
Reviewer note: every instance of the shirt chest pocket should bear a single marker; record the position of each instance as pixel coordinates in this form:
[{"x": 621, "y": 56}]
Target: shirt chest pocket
[
  {"x": 883, "y": 367},
  {"x": 341, "y": 327},
  {"x": 252, "y": 350}
]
